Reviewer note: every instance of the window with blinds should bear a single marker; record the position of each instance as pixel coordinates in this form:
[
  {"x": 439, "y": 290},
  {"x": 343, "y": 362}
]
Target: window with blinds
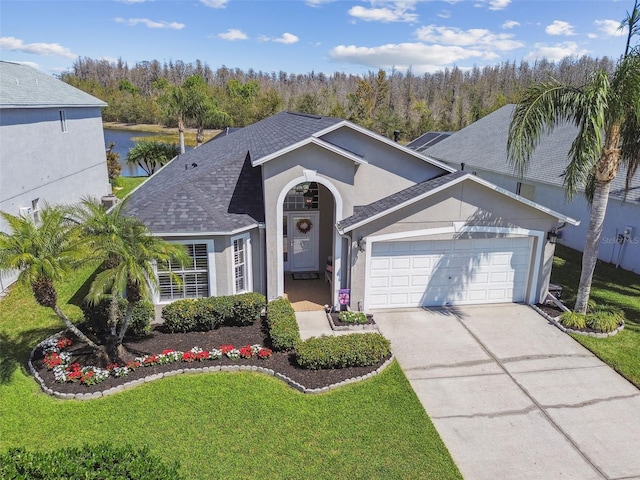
[{"x": 195, "y": 277}]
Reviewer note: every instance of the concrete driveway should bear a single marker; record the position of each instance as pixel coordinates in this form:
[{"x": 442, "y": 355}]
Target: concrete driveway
[{"x": 515, "y": 398}]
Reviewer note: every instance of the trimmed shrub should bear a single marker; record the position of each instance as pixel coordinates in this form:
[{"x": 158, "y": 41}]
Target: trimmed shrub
[
  {"x": 182, "y": 315},
  {"x": 605, "y": 319},
  {"x": 247, "y": 307},
  {"x": 214, "y": 311},
  {"x": 101, "y": 461},
  {"x": 352, "y": 317},
  {"x": 573, "y": 320},
  {"x": 96, "y": 317},
  {"x": 282, "y": 324},
  {"x": 353, "y": 350}
]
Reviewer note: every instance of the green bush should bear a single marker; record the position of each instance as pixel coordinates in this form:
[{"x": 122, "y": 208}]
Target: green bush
[
  {"x": 247, "y": 307},
  {"x": 605, "y": 319},
  {"x": 353, "y": 350},
  {"x": 102, "y": 461},
  {"x": 352, "y": 317},
  {"x": 282, "y": 324},
  {"x": 573, "y": 320},
  {"x": 188, "y": 315},
  {"x": 96, "y": 317}
]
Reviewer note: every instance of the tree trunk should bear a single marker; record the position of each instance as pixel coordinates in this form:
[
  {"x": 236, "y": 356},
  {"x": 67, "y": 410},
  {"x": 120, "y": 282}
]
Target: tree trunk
[
  {"x": 125, "y": 322},
  {"x": 181, "y": 132},
  {"x": 592, "y": 244},
  {"x": 78, "y": 333},
  {"x": 199, "y": 136}
]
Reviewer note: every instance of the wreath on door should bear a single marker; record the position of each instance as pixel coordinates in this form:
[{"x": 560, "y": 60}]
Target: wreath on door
[{"x": 304, "y": 225}]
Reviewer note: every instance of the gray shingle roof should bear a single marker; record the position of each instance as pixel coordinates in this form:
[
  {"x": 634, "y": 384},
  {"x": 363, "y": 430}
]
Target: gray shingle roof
[
  {"x": 223, "y": 192},
  {"x": 483, "y": 145},
  {"x": 378, "y": 207},
  {"x": 22, "y": 86}
]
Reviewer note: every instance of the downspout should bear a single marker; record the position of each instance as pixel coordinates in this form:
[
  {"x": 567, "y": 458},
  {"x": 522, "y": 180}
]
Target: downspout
[{"x": 263, "y": 257}]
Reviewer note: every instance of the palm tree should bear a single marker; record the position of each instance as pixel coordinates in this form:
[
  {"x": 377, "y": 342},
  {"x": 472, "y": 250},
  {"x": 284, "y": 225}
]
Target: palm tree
[
  {"x": 151, "y": 155},
  {"x": 130, "y": 252},
  {"x": 43, "y": 252},
  {"x": 606, "y": 111}
]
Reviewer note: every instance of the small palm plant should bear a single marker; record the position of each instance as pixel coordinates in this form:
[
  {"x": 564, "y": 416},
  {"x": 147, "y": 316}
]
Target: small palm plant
[{"x": 44, "y": 253}]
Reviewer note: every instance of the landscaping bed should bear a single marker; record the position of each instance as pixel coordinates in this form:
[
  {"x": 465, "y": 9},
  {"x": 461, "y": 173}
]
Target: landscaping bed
[
  {"x": 160, "y": 340},
  {"x": 337, "y": 324}
]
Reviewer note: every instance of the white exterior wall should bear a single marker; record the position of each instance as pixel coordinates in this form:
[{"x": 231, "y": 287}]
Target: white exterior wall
[
  {"x": 618, "y": 216},
  {"x": 40, "y": 161}
]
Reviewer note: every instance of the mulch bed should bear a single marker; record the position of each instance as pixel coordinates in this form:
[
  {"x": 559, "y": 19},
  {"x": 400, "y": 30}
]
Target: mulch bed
[
  {"x": 159, "y": 340},
  {"x": 550, "y": 309}
]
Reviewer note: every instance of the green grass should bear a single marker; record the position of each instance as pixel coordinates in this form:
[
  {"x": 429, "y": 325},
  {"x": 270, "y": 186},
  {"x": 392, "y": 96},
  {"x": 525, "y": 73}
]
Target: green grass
[
  {"x": 128, "y": 184},
  {"x": 222, "y": 425},
  {"x": 611, "y": 286}
]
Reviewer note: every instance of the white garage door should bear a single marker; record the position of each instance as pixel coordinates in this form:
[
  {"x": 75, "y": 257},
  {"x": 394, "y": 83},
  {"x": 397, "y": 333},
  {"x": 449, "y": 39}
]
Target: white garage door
[{"x": 448, "y": 272}]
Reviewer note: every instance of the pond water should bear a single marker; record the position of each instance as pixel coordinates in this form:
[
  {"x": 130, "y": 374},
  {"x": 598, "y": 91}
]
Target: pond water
[{"x": 123, "y": 142}]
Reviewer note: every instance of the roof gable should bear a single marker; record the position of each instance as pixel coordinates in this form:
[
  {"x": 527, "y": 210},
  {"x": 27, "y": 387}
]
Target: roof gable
[{"x": 423, "y": 190}]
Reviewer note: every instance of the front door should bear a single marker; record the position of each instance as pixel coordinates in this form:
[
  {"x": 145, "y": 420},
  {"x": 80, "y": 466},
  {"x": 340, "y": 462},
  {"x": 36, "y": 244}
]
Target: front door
[{"x": 303, "y": 237}]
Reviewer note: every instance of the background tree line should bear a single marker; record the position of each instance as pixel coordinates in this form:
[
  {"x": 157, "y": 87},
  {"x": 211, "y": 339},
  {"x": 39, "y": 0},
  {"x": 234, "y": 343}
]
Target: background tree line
[{"x": 383, "y": 101}]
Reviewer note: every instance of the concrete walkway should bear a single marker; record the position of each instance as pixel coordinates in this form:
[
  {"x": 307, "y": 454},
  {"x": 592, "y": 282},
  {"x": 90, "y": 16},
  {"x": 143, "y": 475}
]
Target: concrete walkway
[{"x": 515, "y": 398}]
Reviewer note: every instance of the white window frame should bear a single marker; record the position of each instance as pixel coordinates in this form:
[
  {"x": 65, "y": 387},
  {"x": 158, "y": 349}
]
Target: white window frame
[
  {"x": 210, "y": 271},
  {"x": 247, "y": 265}
]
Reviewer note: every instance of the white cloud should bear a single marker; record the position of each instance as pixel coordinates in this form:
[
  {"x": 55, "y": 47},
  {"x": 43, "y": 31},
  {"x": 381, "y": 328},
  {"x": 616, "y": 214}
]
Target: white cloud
[
  {"x": 610, "y": 27},
  {"x": 476, "y": 37},
  {"x": 559, "y": 27},
  {"x": 555, "y": 52},
  {"x": 233, "y": 34},
  {"x": 132, "y": 22},
  {"x": 493, "y": 4},
  {"x": 15, "y": 44},
  {"x": 510, "y": 24},
  {"x": 214, "y": 3},
  {"x": 419, "y": 57},
  {"x": 287, "y": 38},
  {"x": 385, "y": 11},
  {"x": 444, "y": 14}
]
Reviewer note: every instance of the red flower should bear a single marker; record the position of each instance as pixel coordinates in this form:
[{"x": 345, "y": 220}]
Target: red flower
[
  {"x": 112, "y": 366},
  {"x": 168, "y": 351},
  {"x": 245, "y": 352},
  {"x": 264, "y": 353},
  {"x": 63, "y": 343},
  {"x": 133, "y": 365},
  {"x": 52, "y": 359},
  {"x": 226, "y": 349},
  {"x": 203, "y": 355},
  {"x": 188, "y": 357}
]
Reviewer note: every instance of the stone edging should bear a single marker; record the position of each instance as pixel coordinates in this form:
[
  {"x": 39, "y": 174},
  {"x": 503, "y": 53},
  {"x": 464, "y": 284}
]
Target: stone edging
[
  {"x": 555, "y": 321},
  {"x": 218, "y": 368},
  {"x": 357, "y": 328}
]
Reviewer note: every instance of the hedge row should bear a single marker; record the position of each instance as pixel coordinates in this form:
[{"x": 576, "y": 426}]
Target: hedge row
[
  {"x": 102, "y": 461},
  {"x": 96, "y": 317},
  {"x": 282, "y": 324},
  {"x": 353, "y": 350},
  {"x": 204, "y": 314}
]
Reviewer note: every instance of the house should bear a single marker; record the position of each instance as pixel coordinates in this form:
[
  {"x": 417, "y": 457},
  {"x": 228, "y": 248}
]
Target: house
[
  {"x": 294, "y": 191},
  {"x": 51, "y": 144},
  {"x": 481, "y": 149}
]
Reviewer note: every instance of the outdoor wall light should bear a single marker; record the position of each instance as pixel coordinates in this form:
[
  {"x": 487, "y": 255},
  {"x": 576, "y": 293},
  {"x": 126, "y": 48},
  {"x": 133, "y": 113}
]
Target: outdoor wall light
[
  {"x": 553, "y": 236},
  {"x": 308, "y": 198},
  {"x": 362, "y": 244}
]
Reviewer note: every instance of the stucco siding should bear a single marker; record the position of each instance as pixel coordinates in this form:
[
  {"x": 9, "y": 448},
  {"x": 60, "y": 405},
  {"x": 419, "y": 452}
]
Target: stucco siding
[{"x": 39, "y": 160}]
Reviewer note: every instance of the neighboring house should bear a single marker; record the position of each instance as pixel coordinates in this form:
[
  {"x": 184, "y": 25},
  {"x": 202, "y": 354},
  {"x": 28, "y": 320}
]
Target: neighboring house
[
  {"x": 289, "y": 192},
  {"x": 51, "y": 144},
  {"x": 481, "y": 149}
]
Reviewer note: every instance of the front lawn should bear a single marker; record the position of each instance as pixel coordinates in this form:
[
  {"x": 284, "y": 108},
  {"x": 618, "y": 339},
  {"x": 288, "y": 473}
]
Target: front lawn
[
  {"x": 128, "y": 184},
  {"x": 611, "y": 286},
  {"x": 222, "y": 425}
]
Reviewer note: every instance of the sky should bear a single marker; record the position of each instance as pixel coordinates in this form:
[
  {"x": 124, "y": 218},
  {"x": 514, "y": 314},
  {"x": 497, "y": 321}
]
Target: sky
[{"x": 301, "y": 36}]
